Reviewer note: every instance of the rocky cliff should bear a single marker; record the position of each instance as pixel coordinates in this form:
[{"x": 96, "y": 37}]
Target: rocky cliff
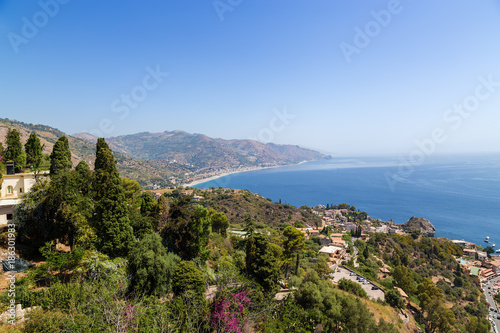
[{"x": 417, "y": 223}]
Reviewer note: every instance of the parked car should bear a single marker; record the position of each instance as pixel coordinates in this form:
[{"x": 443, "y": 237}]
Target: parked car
[
  {"x": 375, "y": 288},
  {"x": 352, "y": 274}
]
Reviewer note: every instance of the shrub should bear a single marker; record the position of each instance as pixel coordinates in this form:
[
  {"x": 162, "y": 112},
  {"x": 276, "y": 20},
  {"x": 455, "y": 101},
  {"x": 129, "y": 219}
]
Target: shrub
[{"x": 352, "y": 287}]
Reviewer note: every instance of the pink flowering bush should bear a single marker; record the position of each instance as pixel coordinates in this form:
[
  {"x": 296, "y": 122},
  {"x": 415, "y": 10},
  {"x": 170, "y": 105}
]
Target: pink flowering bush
[{"x": 229, "y": 311}]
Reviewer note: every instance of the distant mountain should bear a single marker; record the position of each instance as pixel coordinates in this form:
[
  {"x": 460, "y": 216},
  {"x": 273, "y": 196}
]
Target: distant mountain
[
  {"x": 145, "y": 172},
  {"x": 202, "y": 152},
  {"x": 168, "y": 158}
]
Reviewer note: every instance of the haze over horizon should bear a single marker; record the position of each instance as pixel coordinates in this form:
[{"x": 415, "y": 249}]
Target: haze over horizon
[{"x": 371, "y": 78}]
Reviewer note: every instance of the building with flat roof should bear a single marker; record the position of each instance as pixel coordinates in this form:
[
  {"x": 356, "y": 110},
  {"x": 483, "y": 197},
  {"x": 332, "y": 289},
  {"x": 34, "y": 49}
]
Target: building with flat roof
[{"x": 13, "y": 186}]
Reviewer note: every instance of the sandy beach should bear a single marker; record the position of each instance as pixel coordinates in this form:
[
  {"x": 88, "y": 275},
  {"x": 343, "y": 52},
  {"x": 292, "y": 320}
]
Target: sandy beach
[{"x": 203, "y": 180}]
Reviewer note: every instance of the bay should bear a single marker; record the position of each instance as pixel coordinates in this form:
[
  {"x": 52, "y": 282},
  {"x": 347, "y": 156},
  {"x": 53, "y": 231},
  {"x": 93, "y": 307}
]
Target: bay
[{"x": 460, "y": 195}]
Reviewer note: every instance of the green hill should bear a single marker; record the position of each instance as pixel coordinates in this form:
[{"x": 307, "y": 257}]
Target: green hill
[{"x": 144, "y": 171}]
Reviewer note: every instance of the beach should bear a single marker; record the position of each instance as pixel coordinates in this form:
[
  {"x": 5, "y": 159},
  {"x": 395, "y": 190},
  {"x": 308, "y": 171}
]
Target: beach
[{"x": 232, "y": 172}]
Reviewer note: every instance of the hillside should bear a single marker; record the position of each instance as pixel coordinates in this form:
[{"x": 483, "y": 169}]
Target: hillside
[
  {"x": 203, "y": 152},
  {"x": 144, "y": 171},
  {"x": 236, "y": 203}
]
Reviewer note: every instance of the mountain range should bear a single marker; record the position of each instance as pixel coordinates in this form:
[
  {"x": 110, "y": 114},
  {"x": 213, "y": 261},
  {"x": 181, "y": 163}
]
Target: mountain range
[{"x": 170, "y": 157}]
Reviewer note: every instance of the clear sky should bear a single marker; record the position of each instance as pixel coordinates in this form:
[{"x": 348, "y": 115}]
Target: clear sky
[{"x": 345, "y": 77}]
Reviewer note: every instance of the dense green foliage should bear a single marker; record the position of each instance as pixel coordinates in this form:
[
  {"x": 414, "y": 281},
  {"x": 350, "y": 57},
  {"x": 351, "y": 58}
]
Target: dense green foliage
[
  {"x": 261, "y": 263},
  {"x": 415, "y": 263},
  {"x": 137, "y": 264},
  {"x": 187, "y": 229},
  {"x": 188, "y": 280},
  {"x": 352, "y": 287},
  {"x": 220, "y": 222},
  {"x": 33, "y": 149},
  {"x": 111, "y": 215},
  {"x": 60, "y": 158},
  {"x": 150, "y": 267},
  {"x": 239, "y": 205}
]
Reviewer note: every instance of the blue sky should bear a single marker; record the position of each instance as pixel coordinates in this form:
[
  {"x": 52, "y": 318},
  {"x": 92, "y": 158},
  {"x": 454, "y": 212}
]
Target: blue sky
[{"x": 363, "y": 78}]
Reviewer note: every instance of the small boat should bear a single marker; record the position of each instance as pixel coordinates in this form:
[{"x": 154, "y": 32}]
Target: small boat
[
  {"x": 498, "y": 251},
  {"x": 487, "y": 239},
  {"x": 493, "y": 245}
]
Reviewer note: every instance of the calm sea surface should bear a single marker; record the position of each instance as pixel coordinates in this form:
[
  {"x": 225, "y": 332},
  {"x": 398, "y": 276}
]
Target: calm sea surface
[{"x": 460, "y": 195}]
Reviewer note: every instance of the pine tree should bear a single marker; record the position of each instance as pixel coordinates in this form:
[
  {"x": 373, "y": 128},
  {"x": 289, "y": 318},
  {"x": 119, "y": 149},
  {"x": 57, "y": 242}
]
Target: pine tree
[
  {"x": 14, "y": 151},
  {"x": 60, "y": 159},
  {"x": 33, "y": 149},
  {"x": 111, "y": 214}
]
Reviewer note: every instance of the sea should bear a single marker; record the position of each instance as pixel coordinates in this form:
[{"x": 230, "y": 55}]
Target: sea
[{"x": 458, "y": 194}]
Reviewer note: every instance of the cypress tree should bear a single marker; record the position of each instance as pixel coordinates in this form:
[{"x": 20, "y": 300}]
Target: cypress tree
[
  {"x": 14, "y": 151},
  {"x": 111, "y": 220},
  {"x": 260, "y": 262},
  {"x": 84, "y": 177},
  {"x": 101, "y": 143},
  {"x": 1, "y": 164},
  {"x": 60, "y": 159},
  {"x": 33, "y": 149}
]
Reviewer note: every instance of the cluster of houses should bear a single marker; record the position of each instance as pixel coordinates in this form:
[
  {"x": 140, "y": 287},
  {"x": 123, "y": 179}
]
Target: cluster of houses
[
  {"x": 333, "y": 245},
  {"x": 339, "y": 220},
  {"x": 476, "y": 262}
]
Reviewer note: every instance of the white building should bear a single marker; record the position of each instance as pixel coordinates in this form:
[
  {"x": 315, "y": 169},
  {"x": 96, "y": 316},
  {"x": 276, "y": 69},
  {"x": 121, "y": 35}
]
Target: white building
[{"x": 14, "y": 185}]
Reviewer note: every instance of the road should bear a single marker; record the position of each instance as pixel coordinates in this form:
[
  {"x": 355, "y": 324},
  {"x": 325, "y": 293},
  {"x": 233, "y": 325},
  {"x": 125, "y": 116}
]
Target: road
[
  {"x": 489, "y": 298},
  {"x": 344, "y": 273}
]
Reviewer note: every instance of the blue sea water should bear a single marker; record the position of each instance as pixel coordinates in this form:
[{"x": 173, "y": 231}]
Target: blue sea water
[{"x": 460, "y": 195}]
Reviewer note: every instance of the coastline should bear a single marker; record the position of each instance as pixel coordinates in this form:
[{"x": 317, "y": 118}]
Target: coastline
[{"x": 227, "y": 173}]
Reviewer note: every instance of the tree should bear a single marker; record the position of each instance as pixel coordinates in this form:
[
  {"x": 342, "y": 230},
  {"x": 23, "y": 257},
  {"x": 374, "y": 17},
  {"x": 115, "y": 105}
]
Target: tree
[
  {"x": 33, "y": 149},
  {"x": 14, "y": 151},
  {"x": 188, "y": 280},
  {"x": 478, "y": 325},
  {"x": 100, "y": 144},
  {"x": 260, "y": 262},
  {"x": 352, "y": 287},
  {"x": 132, "y": 191},
  {"x": 111, "y": 216},
  {"x": 394, "y": 298},
  {"x": 293, "y": 244},
  {"x": 84, "y": 178},
  {"x": 55, "y": 210},
  {"x": 1, "y": 164},
  {"x": 436, "y": 315},
  {"x": 150, "y": 267},
  {"x": 220, "y": 222},
  {"x": 65, "y": 204},
  {"x": 489, "y": 250},
  {"x": 187, "y": 229},
  {"x": 404, "y": 279},
  {"x": 149, "y": 206},
  {"x": 249, "y": 225},
  {"x": 60, "y": 158}
]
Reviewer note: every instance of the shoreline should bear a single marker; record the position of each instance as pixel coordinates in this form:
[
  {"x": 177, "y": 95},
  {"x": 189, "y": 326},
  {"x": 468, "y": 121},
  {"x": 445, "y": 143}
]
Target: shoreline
[{"x": 228, "y": 173}]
